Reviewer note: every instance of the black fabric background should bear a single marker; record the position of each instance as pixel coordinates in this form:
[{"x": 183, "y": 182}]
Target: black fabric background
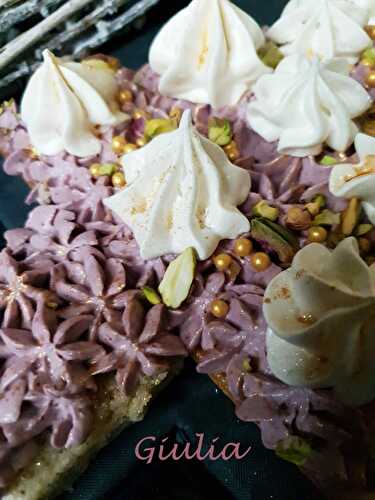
[{"x": 191, "y": 404}]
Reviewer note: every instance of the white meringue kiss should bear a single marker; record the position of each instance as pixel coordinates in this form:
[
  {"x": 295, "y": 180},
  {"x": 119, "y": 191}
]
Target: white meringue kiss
[
  {"x": 62, "y": 103},
  {"x": 320, "y": 314},
  {"x": 325, "y": 28},
  {"x": 181, "y": 192},
  {"x": 357, "y": 181},
  {"x": 307, "y": 103},
  {"x": 370, "y": 6},
  {"x": 207, "y": 53}
]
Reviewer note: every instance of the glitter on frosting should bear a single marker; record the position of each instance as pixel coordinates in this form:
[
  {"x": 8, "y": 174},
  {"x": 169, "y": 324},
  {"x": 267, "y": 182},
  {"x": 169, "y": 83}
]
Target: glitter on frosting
[{"x": 138, "y": 344}]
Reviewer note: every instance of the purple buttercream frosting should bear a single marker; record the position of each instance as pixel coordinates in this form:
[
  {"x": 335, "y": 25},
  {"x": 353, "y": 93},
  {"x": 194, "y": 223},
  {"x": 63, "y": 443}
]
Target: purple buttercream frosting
[{"x": 80, "y": 307}]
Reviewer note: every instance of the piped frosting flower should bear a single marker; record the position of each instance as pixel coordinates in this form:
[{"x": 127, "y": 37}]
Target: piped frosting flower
[
  {"x": 66, "y": 415},
  {"x": 63, "y": 102},
  {"x": 57, "y": 349},
  {"x": 321, "y": 322},
  {"x": 181, "y": 192},
  {"x": 138, "y": 346},
  {"x": 20, "y": 290},
  {"x": 325, "y": 28},
  {"x": 92, "y": 288},
  {"x": 200, "y": 53},
  {"x": 357, "y": 181},
  {"x": 306, "y": 104}
]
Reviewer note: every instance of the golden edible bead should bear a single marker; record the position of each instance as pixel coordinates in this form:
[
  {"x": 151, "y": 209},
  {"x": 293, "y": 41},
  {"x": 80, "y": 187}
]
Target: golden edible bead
[
  {"x": 129, "y": 148},
  {"x": 34, "y": 153},
  {"x": 370, "y": 79},
  {"x": 317, "y": 234},
  {"x": 141, "y": 141},
  {"x": 260, "y": 261},
  {"x": 370, "y": 30},
  {"x": 113, "y": 63},
  {"x": 118, "y": 144},
  {"x": 139, "y": 113},
  {"x": 231, "y": 151},
  {"x": 125, "y": 96},
  {"x": 118, "y": 180},
  {"x": 95, "y": 170},
  {"x": 367, "y": 62},
  {"x": 243, "y": 247},
  {"x": 222, "y": 261},
  {"x": 219, "y": 308}
]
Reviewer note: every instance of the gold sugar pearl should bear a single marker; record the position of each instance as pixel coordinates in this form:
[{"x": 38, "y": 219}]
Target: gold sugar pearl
[
  {"x": 118, "y": 180},
  {"x": 95, "y": 170},
  {"x": 219, "y": 308},
  {"x": 243, "y": 247},
  {"x": 370, "y": 79},
  {"x": 141, "y": 141},
  {"x": 370, "y": 30},
  {"x": 118, "y": 144},
  {"x": 367, "y": 62},
  {"x": 317, "y": 234},
  {"x": 140, "y": 113},
  {"x": 260, "y": 261},
  {"x": 223, "y": 262},
  {"x": 129, "y": 148},
  {"x": 232, "y": 151},
  {"x": 113, "y": 63},
  {"x": 125, "y": 96},
  {"x": 34, "y": 153}
]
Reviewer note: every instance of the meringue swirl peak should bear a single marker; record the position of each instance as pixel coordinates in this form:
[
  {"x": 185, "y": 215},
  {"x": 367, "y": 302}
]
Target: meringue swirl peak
[
  {"x": 307, "y": 103},
  {"x": 357, "y": 181},
  {"x": 207, "y": 53},
  {"x": 181, "y": 192},
  {"x": 321, "y": 322},
  {"x": 325, "y": 28},
  {"x": 64, "y": 101}
]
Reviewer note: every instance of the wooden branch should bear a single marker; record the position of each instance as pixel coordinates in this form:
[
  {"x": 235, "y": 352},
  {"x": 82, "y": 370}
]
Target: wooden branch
[{"x": 12, "y": 49}]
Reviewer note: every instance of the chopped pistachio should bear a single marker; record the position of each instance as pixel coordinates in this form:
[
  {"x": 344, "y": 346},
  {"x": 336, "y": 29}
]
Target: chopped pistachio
[
  {"x": 234, "y": 270},
  {"x": 363, "y": 229},
  {"x": 351, "y": 216},
  {"x": 178, "y": 278},
  {"x": 52, "y": 305},
  {"x": 219, "y": 131},
  {"x": 158, "y": 126},
  {"x": 107, "y": 168},
  {"x": 270, "y": 55},
  {"x": 317, "y": 203},
  {"x": 327, "y": 218},
  {"x": 276, "y": 237},
  {"x": 294, "y": 449},
  {"x": 151, "y": 295},
  {"x": 263, "y": 209},
  {"x": 328, "y": 161},
  {"x": 246, "y": 365}
]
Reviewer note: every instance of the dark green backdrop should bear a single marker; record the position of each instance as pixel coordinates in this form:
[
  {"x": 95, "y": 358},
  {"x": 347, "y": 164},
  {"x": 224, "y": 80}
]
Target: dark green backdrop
[{"x": 191, "y": 404}]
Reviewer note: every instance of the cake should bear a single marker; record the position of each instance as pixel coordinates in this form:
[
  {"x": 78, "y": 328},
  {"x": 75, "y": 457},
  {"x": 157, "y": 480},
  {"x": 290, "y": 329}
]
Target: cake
[{"x": 217, "y": 202}]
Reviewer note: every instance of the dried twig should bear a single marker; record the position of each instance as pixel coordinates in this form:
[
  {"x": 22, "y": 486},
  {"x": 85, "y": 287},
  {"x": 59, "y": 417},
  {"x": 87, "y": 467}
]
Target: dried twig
[{"x": 79, "y": 29}]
